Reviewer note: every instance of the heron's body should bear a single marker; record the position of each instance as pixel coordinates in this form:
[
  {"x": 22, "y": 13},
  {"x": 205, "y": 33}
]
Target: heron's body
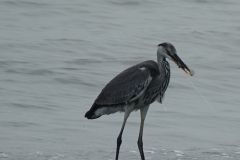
[{"x": 136, "y": 88}]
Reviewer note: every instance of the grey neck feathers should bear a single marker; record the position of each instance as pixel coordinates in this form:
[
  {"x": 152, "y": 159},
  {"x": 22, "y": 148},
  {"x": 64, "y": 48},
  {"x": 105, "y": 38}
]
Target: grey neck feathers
[
  {"x": 163, "y": 65},
  {"x": 160, "y": 60}
]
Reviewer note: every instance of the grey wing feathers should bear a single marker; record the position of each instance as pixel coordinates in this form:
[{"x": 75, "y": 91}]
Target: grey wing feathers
[
  {"x": 128, "y": 85},
  {"x": 155, "y": 87}
]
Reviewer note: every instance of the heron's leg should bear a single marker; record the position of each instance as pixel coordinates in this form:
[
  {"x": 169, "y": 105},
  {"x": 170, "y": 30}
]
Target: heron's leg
[
  {"x": 140, "y": 142},
  {"x": 119, "y": 139}
]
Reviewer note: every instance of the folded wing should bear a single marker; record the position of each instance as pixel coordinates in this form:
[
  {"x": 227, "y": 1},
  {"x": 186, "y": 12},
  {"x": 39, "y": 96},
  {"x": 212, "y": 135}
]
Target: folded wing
[{"x": 128, "y": 86}]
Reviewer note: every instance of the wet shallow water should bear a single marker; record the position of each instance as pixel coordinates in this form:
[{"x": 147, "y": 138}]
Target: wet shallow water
[{"x": 56, "y": 56}]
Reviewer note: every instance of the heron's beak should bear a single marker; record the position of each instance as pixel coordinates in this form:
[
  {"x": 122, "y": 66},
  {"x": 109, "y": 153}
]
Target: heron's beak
[{"x": 180, "y": 63}]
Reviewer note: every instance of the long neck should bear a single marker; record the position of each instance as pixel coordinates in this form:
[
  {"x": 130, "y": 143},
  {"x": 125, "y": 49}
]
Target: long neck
[
  {"x": 163, "y": 65},
  {"x": 160, "y": 60}
]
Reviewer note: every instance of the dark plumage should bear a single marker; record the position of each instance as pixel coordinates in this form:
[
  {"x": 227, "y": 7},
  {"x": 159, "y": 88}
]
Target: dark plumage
[
  {"x": 120, "y": 92},
  {"x": 136, "y": 88}
]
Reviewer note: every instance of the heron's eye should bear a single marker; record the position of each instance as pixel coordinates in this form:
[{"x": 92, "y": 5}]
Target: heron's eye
[{"x": 169, "y": 53}]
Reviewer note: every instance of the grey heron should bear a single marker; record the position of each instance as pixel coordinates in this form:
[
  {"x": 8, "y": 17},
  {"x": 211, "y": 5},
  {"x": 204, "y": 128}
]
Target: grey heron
[{"x": 136, "y": 88}]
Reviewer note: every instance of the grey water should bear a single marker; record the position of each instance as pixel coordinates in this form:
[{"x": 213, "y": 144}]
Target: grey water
[{"x": 56, "y": 56}]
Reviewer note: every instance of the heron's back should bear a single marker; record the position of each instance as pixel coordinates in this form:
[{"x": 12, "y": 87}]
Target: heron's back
[{"x": 138, "y": 85}]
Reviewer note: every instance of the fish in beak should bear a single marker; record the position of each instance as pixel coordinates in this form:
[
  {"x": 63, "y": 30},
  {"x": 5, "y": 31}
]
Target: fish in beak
[{"x": 181, "y": 64}]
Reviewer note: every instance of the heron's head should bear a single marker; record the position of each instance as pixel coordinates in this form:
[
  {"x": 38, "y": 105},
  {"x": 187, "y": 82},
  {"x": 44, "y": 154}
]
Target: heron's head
[{"x": 168, "y": 50}]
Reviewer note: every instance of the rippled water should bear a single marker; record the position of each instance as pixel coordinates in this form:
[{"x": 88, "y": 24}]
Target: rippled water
[{"x": 56, "y": 56}]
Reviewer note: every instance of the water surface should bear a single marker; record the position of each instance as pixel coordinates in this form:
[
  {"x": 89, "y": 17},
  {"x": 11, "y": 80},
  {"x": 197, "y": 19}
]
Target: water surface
[{"x": 56, "y": 56}]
